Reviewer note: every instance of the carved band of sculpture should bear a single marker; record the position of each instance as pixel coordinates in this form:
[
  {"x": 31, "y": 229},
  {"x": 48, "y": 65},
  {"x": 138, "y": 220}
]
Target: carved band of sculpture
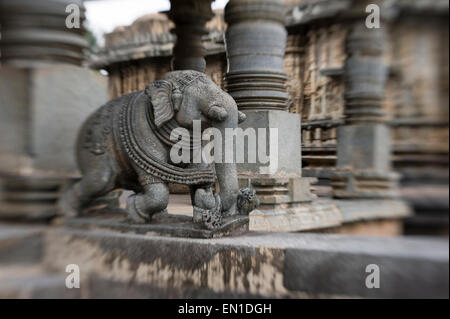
[{"x": 126, "y": 144}]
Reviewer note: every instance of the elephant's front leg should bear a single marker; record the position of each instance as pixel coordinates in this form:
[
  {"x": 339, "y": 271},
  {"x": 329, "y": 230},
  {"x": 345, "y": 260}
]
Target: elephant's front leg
[
  {"x": 202, "y": 198},
  {"x": 154, "y": 199},
  {"x": 207, "y": 208}
]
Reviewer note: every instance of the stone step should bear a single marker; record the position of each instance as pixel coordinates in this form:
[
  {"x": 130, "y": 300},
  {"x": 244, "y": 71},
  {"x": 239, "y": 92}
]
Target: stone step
[
  {"x": 36, "y": 286},
  {"x": 21, "y": 244},
  {"x": 296, "y": 265},
  {"x": 114, "y": 264}
]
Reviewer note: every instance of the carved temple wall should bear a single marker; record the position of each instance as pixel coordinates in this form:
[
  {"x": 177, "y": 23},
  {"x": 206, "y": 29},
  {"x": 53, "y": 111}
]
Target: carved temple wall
[
  {"x": 141, "y": 53},
  {"x": 133, "y": 76},
  {"x": 314, "y": 63},
  {"x": 416, "y": 94}
]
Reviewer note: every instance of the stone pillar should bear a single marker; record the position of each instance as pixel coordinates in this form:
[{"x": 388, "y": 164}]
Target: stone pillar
[
  {"x": 190, "y": 17},
  {"x": 255, "y": 45},
  {"x": 363, "y": 151},
  {"x": 34, "y": 33},
  {"x": 44, "y": 97}
]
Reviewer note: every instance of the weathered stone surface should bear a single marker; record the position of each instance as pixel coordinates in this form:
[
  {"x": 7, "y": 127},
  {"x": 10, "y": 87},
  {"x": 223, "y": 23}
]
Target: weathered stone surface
[
  {"x": 190, "y": 19},
  {"x": 334, "y": 269},
  {"x": 41, "y": 104},
  {"x": 376, "y": 227},
  {"x": 416, "y": 101},
  {"x": 150, "y": 37},
  {"x": 20, "y": 245},
  {"x": 274, "y": 191},
  {"x": 255, "y": 44},
  {"x": 169, "y": 225},
  {"x": 367, "y": 147},
  {"x": 363, "y": 150},
  {"x": 276, "y": 265},
  {"x": 322, "y": 213},
  {"x": 70, "y": 95},
  {"x": 307, "y": 216},
  {"x": 32, "y": 34},
  {"x": 128, "y": 144},
  {"x": 43, "y": 108},
  {"x": 360, "y": 210},
  {"x": 38, "y": 286},
  {"x": 115, "y": 264},
  {"x": 288, "y": 141}
]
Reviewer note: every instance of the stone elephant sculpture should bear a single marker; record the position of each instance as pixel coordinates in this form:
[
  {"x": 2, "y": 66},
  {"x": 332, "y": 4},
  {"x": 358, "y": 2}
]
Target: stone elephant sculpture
[{"x": 126, "y": 144}]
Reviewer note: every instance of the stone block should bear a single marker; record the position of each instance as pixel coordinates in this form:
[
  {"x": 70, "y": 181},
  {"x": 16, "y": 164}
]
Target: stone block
[
  {"x": 253, "y": 265},
  {"x": 300, "y": 189},
  {"x": 20, "y": 245},
  {"x": 288, "y": 140},
  {"x": 307, "y": 216},
  {"x": 274, "y": 191},
  {"x": 363, "y": 147},
  {"x": 43, "y": 109},
  {"x": 326, "y": 214}
]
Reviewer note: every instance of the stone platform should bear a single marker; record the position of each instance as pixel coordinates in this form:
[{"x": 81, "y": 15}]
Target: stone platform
[
  {"x": 114, "y": 264},
  {"x": 322, "y": 213},
  {"x": 168, "y": 224}
]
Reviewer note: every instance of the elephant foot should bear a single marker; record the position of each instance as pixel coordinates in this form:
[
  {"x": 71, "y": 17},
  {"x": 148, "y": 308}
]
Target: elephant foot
[
  {"x": 160, "y": 216},
  {"x": 142, "y": 208},
  {"x": 134, "y": 213},
  {"x": 207, "y": 209},
  {"x": 246, "y": 202},
  {"x": 204, "y": 199},
  {"x": 209, "y": 218}
]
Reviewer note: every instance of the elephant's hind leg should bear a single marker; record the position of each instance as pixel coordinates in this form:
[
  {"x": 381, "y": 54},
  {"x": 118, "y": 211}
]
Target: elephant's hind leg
[
  {"x": 154, "y": 199},
  {"x": 94, "y": 184}
]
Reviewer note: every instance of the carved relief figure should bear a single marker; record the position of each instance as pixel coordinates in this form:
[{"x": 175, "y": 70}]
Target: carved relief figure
[{"x": 126, "y": 144}]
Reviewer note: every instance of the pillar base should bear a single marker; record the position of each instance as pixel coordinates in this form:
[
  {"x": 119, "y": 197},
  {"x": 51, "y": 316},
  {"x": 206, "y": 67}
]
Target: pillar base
[
  {"x": 365, "y": 184},
  {"x": 42, "y": 111},
  {"x": 279, "y": 192},
  {"x": 29, "y": 198},
  {"x": 329, "y": 214},
  {"x": 301, "y": 217}
]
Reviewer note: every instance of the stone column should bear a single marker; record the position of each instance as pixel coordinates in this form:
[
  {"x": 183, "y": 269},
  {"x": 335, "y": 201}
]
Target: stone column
[
  {"x": 363, "y": 151},
  {"x": 190, "y": 17},
  {"x": 255, "y": 45},
  {"x": 35, "y": 33},
  {"x": 45, "y": 95}
]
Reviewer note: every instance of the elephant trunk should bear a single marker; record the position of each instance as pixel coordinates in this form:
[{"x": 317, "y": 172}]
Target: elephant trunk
[{"x": 226, "y": 171}]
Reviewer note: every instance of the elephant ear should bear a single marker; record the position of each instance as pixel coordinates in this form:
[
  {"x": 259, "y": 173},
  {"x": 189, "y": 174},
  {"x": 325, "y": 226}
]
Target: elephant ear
[{"x": 160, "y": 93}]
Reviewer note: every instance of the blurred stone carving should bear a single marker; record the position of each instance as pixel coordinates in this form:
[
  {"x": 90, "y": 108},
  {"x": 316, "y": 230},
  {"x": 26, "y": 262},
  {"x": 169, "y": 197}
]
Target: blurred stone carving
[{"x": 44, "y": 97}]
